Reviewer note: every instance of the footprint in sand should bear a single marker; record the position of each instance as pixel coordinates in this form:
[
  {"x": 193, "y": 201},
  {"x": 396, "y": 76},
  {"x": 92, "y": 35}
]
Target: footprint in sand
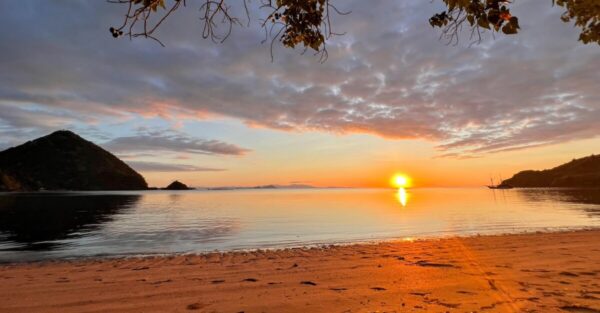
[
  {"x": 442, "y": 303},
  {"x": 491, "y": 306},
  {"x": 492, "y": 284},
  {"x": 465, "y": 292},
  {"x": 338, "y": 289},
  {"x": 553, "y": 293},
  {"x": 251, "y": 280},
  {"x": 578, "y": 309},
  {"x": 568, "y": 274},
  {"x": 587, "y": 273},
  {"x": 585, "y": 295},
  {"x": 195, "y": 306},
  {"x": 308, "y": 282},
  {"x": 431, "y": 264}
]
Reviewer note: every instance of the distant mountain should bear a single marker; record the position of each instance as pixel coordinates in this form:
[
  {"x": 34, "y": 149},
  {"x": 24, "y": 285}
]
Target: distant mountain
[
  {"x": 292, "y": 186},
  {"x": 65, "y": 161},
  {"x": 584, "y": 172}
]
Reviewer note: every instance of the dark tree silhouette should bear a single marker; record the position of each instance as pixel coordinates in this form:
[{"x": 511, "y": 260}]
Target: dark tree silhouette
[
  {"x": 307, "y": 23},
  {"x": 490, "y": 14},
  {"x": 495, "y": 15},
  {"x": 294, "y": 23},
  {"x": 586, "y": 14}
]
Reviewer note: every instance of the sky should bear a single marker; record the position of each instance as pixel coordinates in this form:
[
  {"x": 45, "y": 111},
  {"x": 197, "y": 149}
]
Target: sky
[{"x": 391, "y": 97}]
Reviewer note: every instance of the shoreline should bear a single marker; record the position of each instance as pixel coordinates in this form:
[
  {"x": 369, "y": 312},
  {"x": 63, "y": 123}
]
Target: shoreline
[
  {"x": 541, "y": 271},
  {"x": 275, "y": 248}
]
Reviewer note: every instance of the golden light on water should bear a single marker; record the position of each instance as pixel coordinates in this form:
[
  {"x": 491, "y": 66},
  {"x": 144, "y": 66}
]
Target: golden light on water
[{"x": 402, "y": 196}]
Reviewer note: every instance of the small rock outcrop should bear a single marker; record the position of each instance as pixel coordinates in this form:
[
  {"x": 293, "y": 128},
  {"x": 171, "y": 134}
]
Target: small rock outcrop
[
  {"x": 65, "y": 161},
  {"x": 177, "y": 185}
]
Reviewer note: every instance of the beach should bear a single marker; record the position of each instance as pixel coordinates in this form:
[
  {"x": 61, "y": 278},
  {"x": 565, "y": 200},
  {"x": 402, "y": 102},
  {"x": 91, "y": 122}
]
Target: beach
[{"x": 535, "y": 272}]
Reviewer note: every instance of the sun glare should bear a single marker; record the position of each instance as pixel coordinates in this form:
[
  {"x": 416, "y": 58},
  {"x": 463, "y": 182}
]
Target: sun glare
[{"x": 400, "y": 181}]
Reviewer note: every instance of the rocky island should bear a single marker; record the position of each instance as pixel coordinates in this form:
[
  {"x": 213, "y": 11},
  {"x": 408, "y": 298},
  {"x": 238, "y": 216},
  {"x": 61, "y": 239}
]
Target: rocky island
[
  {"x": 177, "y": 185},
  {"x": 65, "y": 161},
  {"x": 583, "y": 172}
]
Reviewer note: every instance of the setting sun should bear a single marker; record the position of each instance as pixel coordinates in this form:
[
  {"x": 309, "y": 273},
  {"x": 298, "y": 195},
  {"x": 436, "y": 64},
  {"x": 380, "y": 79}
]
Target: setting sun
[{"x": 400, "y": 181}]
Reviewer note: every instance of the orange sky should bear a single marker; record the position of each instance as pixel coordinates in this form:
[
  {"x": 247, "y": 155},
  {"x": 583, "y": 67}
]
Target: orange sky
[{"x": 364, "y": 161}]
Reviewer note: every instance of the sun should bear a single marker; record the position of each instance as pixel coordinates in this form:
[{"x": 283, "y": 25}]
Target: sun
[{"x": 400, "y": 181}]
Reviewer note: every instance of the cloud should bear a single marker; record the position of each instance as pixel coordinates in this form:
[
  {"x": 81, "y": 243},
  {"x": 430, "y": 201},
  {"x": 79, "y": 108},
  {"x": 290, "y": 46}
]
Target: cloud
[
  {"x": 164, "y": 167},
  {"x": 32, "y": 117},
  {"x": 170, "y": 141},
  {"x": 389, "y": 76}
]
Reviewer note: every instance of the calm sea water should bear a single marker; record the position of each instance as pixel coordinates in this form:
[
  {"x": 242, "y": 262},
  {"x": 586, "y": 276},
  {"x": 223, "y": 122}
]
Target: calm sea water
[{"x": 47, "y": 226}]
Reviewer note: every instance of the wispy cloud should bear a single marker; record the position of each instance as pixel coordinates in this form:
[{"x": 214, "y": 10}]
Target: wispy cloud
[
  {"x": 165, "y": 167},
  {"x": 171, "y": 141}
]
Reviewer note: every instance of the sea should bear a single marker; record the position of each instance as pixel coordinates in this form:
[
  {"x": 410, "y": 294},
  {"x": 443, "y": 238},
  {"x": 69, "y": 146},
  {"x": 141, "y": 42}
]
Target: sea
[{"x": 71, "y": 225}]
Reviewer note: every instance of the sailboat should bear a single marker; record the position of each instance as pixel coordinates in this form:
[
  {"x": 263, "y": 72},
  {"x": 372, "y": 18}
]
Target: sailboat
[{"x": 502, "y": 185}]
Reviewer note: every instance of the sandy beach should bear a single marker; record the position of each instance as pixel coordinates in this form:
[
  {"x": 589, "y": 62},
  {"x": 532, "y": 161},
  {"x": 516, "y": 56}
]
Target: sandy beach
[{"x": 541, "y": 272}]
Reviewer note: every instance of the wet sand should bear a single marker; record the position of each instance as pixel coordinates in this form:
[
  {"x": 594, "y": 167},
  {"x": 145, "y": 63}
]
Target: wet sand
[{"x": 542, "y": 272}]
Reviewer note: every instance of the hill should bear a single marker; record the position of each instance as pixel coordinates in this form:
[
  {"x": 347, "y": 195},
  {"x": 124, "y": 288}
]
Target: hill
[
  {"x": 584, "y": 172},
  {"x": 65, "y": 161},
  {"x": 177, "y": 185}
]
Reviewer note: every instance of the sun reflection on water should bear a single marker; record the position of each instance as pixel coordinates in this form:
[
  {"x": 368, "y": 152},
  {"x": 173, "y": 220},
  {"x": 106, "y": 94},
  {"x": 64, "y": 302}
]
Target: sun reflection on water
[{"x": 402, "y": 196}]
